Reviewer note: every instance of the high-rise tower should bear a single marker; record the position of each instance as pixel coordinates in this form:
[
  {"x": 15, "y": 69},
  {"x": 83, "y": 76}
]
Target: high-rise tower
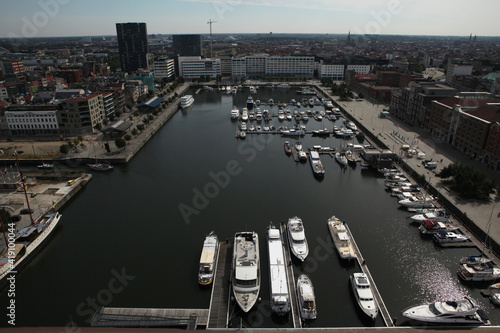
[{"x": 133, "y": 45}]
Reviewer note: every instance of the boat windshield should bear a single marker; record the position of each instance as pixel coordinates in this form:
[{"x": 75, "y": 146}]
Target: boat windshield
[
  {"x": 246, "y": 283},
  {"x": 433, "y": 309},
  {"x": 309, "y": 305}
]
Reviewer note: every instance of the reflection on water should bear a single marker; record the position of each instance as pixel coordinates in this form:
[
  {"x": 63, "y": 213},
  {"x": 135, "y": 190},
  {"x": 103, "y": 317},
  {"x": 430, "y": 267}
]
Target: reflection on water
[{"x": 130, "y": 218}]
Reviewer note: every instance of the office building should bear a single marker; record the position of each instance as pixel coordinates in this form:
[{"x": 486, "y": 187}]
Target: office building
[
  {"x": 132, "y": 45},
  {"x": 187, "y": 45}
]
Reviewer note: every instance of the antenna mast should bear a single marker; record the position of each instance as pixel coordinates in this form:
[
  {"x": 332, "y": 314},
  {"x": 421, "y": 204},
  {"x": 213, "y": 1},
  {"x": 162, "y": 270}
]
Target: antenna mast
[{"x": 211, "y": 40}]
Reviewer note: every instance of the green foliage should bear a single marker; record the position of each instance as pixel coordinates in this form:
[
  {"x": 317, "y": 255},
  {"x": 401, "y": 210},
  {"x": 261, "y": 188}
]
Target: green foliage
[
  {"x": 128, "y": 137},
  {"x": 134, "y": 131},
  {"x": 64, "y": 149},
  {"x": 70, "y": 144},
  {"x": 120, "y": 142},
  {"x": 468, "y": 182},
  {"x": 420, "y": 68},
  {"x": 5, "y": 216},
  {"x": 140, "y": 127}
]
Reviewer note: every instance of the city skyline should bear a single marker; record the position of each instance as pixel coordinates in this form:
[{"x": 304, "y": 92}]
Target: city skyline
[{"x": 52, "y": 18}]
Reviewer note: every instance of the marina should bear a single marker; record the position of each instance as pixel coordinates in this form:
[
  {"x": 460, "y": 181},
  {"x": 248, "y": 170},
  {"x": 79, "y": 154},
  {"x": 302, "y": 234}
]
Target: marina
[{"x": 398, "y": 244}]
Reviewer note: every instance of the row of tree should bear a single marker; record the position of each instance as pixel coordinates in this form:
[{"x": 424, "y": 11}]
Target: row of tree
[{"x": 468, "y": 182}]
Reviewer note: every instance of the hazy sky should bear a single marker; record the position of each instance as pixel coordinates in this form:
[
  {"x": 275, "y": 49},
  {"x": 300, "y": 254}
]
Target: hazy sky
[{"x": 41, "y": 18}]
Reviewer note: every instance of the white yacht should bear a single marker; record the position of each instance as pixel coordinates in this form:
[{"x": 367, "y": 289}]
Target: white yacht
[
  {"x": 316, "y": 164},
  {"x": 297, "y": 238},
  {"x": 244, "y": 114},
  {"x": 442, "y": 237},
  {"x": 350, "y": 125},
  {"x": 208, "y": 259},
  {"x": 235, "y": 113},
  {"x": 440, "y": 216},
  {"x": 460, "y": 312},
  {"x": 478, "y": 272},
  {"x": 306, "y": 297},
  {"x": 278, "y": 280},
  {"x": 186, "y": 101},
  {"x": 417, "y": 201},
  {"x": 341, "y": 238},
  {"x": 341, "y": 159},
  {"x": 363, "y": 293},
  {"x": 246, "y": 269}
]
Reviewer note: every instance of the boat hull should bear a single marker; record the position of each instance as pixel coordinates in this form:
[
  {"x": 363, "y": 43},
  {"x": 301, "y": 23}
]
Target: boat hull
[{"x": 369, "y": 308}]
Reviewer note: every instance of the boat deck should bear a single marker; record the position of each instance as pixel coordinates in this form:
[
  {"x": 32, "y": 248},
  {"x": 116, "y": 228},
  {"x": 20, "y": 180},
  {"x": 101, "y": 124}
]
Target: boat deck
[
  {"x": 384, "y": 312},
  {"x": 297, "y": 323}
]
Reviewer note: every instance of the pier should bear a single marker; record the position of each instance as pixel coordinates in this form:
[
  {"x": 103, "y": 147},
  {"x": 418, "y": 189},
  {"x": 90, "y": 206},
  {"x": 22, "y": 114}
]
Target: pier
[
  {"x": 297, "y": 323},
  {"x": 376, "y": 294},
  {"x": 219, "y": 301}
]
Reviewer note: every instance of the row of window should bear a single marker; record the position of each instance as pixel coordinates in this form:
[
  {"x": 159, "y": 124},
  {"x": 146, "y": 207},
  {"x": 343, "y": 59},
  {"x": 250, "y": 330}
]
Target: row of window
[{"x": 34, "y": 126}]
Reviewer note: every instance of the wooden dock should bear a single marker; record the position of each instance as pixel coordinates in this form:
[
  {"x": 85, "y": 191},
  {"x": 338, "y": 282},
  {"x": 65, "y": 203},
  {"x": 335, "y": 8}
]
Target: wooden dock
[
  {"x": 376, "y": 294},
  {"x": 297, "y": 322},
  {"x": 219, "y": 302},
  {"x": 148, "y": 317}
]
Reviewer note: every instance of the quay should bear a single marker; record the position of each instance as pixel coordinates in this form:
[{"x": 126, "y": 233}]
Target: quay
[
  {"x": 384, "y": 312},
  {"x": 221, "y": 288}
]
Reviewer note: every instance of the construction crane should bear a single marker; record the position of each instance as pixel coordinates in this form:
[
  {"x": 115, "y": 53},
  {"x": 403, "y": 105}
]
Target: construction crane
[{"x": 211, "y": 40}]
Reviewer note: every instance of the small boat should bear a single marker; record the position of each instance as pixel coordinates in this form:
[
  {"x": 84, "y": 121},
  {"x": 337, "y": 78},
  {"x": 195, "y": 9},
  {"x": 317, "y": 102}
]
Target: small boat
[
  {"x": 442, "y": 237},
  {"x": 258, "y": 128},
  {"x": 270, "y": 102},
  {"x": 341, "y": 238},
  {"x": 45, "y": 166},
  {"x": 302, "y": 155},
  {"x": 245, "y": 278},
  {"x": 251, "y": 128},
  {"x": 100, "y": 166},
  {"x": 431, "y": 227},
  {"x": 243, "y": 126},
  {"x": 281, "y": 115},
  {"x": 306, "y": 297},
  {"x": 350, "y": 125},
  {"x": 316, "y": 164},
  {"x": 435, "y": 216},
  {"x": 278, "y": 281},
  {"x": 250, "y": 103},
  {"x": 297, "y": 238},
  {"x": 495, "y": 298},
  {"x": 364, "y": 295},
  {"x": 235, "y": 113},
  {"x": 341, "y": 159},
  {"x": 474, "y": 260},
  {"x": 293, "y": 132},
  {"x": 287, "y": 148},
  {"x": 208, "y": 259},
  {"x": 244, "y": 114},
  {"x": 414, "y": 201},
  {"x": 321, "y": 132},
  {"x": 460, "y": 312},
  {"x": 478, "y": 272},
  {"x": 298, "y": 146},
  {"x": 243, "y": 134},
  {"x": 349, "y": 155}
]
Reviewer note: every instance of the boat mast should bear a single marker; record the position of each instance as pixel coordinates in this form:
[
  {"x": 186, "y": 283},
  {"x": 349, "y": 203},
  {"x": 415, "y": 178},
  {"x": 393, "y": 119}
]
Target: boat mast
[{"x": 24, "y": 187}]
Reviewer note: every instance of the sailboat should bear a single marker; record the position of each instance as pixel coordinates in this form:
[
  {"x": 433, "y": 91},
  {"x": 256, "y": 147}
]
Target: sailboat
[
  {"x": 99, "y": 166},
  {"x": 28, "y": 240}
]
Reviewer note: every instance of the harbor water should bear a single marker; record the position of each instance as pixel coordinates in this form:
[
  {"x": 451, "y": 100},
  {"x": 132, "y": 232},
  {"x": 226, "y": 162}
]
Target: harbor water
[{"x": 133, "y": 237}]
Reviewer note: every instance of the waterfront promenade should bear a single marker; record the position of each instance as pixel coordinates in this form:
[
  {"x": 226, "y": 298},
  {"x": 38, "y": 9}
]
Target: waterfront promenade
[{"x": 393, "y": 133}]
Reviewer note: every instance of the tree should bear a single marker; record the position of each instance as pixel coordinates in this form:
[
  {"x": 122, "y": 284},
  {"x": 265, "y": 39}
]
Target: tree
[
  {"x": 134, "y": 131},
  {"x": 120, "y": 143},
  {"x": 128, "y": 137},
  {"x": 64, "y": 149},
  {"x": 140, "y": 127},
  {"x": 6, "y": 218},
  {"x": 80, "y": 138}
]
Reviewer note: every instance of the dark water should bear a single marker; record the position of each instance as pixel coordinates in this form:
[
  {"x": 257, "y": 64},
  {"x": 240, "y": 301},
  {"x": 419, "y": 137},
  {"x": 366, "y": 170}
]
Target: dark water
[{"x": 128, "y": 223}]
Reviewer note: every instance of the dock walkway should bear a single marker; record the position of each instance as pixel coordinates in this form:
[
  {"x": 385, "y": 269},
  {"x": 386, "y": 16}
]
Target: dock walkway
[
  {"x": 148, "y": 317},
  {"x": 376, "y": 294},
  {"x": 219, "y": 302},
  {"x": 297, "y": 323}
]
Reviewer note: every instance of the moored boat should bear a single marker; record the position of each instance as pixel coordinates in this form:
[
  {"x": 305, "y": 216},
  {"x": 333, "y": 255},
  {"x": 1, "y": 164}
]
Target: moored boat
[
  {"x": 459, "y": 312},
  {"x": 306, "y": 297},
  {"x": 316, "y": 164},
  {"x": 431, "y": 227},
  {"x": 442, "y": 237},
  {"x": 341, "y": 159},
  {"x": 287, "y": 148},
  {"x": 478, "y": 272},
  {"x": 208, "y": 259},
  {"x": 235, "y": 113},
  {"x": 278, "y": 280},
  {"x": 341, "y": 238},
  {"x": 246, "y": 269},
  {"x": 297, "y": 238},
  {"x": 364, "y": 295},
  {"x": 186, "y": 101},
  {"x": 45, "y": 166}
]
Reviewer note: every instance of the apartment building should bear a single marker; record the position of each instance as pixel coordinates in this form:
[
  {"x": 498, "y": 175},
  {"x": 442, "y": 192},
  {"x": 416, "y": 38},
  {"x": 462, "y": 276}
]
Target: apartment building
[
  {"x": 82, "y": 114},
  {"x": 195, "y": 67},
  {"x": 33, "y": 120}
]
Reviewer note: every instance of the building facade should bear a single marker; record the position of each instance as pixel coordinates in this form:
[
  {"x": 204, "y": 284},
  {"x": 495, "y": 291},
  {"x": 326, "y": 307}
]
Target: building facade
[
  {"x": 193, "y": 68},
  {"x": 132, "y": 45},
  {"x": 334, "y": 72},
  {"x": 163, "y": 69},
  {"x": 82, "y": 114},
  {"x": 187, "y": 45},
  {"x": 33, "y": 120},
  {"x": 290, "y": 66}
]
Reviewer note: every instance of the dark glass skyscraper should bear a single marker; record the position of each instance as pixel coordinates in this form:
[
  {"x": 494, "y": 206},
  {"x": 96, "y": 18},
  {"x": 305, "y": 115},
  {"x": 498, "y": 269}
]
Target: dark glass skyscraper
[
  {"x": 187, "y": 45},
  {"x": 133, "y": 45}
]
